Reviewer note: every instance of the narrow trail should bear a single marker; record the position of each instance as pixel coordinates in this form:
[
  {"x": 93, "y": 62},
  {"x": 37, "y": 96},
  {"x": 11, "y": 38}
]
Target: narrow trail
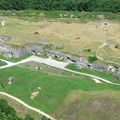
[
  {"x": 26, "y": 105},
  {"x": 53, "y": 63},
  {"x": 99, "y": 48},
  {"x": 5, "y": 61},
  {"x": 93, "y": 76},
  {"x": 100, "y": 58},
  {"x": 56, "y": 64}
]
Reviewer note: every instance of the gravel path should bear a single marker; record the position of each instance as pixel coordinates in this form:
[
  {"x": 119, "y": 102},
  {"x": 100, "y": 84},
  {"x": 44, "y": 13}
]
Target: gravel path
[
  {"x": 56, "y": 64},
  {"x": 26, "y": 105}
]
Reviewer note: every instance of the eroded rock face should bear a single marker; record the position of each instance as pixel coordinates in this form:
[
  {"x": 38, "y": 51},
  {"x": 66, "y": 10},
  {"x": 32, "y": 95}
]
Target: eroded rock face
[
  {"x": 4, "y": 38},
  {"x": 79, "y": 61},
  {"x": 12, "y": 52},
  {"x": 83, "y": 62},
  {"x": 99, "y": 66}
]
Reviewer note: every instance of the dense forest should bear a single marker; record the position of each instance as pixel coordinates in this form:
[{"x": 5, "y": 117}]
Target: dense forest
[{"x": 68, "y": 5}]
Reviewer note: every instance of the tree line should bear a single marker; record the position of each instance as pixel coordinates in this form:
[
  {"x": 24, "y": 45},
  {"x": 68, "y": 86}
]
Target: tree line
[{"x": 68, "y": 5}]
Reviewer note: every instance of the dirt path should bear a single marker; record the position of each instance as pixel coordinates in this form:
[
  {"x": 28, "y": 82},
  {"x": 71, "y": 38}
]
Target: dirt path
[
  {"x": 49, "y": 61},
  {"x": 26, "y": 105},
  {"x": 100, "y": 58},
  {"x": 93, "y": 76},
  {"x": 5, "y": 61},
  {"x": 53, "y": 63},
  {"x": 56, "y": 64},
  {"x": 102, "y": 46}
]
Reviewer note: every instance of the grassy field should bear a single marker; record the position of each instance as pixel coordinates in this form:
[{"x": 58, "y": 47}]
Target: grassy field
[
  {"x": 36, "y": 14},
  {"x": 105, "y": 75},
  {"x": 74, "y": 37},
  {"x": 2, "y": 63},
  {"x": 54, "y": 89},
  {"x": 84, "y": 105},
  {"x": 15, "y": 59},
  {"x": 110, "y": 53},
  {"x": 62, "y": 94},
  {"x": 20, "y": 109},
  {"x": 48, "y": 69}
]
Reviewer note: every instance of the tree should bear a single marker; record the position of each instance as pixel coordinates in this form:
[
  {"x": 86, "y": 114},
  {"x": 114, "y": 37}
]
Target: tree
[
  {"x": 8, "y": 113},
  {"x": 45, "y": 118},
  {"x": 69, "y": 5}
]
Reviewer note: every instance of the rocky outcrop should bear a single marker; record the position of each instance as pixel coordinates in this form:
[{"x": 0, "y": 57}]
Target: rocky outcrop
[
  {"x": 80, "y": 61},
  {"x": 99, "y": 66},
  {"x": 4, "y": 38},
  {"x": 83, "y": 62},
  {"x": 13, "y": 52}
]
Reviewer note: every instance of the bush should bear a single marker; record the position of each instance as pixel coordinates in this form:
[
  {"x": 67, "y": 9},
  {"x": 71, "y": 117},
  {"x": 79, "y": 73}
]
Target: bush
[
  {"x": 92, "y": 59},
  {"x": 7, "y": 112},
  {"x": 69, "y": 5}
]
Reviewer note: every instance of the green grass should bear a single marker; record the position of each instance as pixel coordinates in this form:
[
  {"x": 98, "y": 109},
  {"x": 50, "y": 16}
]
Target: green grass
[
  {"x": 15, "y": 59},
  {"x": 110, "y": 54},
  {"x": 53, "y": 91},
  {"x": 62, "y": 32},
  {"x": 55, "y": 14},
  {"x": 106, "y": 75},
  {"x": 82, "y": 105},
  {"x": 48, "y": 69},
  {"x": 92, "y": 59},
  {"x": 44, "y": 55},
  {"x": 21, "y": 110},
  {"x": 2, "y": 63}
]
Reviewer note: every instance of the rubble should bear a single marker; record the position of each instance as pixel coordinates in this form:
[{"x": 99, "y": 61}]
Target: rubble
[
  {"x": 34, "y": 95},
  {"x": 4, "y": 38},
  {"x": 100, "y": 17},
  {"x": 10, "y": 80}
]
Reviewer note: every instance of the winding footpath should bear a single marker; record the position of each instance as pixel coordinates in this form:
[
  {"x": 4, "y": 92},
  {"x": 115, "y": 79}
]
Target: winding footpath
[
  {"x": 53, "y": 63},
  {"x": 26, "y": 105},
  {"x": 102, "y": 59}
]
